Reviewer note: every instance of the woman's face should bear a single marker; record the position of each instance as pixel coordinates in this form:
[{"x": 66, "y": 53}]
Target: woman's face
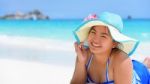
[{"x": 100, "y": 40}]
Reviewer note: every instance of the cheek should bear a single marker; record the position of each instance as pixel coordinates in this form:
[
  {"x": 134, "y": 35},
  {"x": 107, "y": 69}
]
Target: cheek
[
  {"x": 90, "y": 37},
  {"x": 108, "y": 44},
  {"x": 89, "y": 40}
]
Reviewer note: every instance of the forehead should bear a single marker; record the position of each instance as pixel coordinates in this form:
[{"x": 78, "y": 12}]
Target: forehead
[{"x": 100, "y": 28}]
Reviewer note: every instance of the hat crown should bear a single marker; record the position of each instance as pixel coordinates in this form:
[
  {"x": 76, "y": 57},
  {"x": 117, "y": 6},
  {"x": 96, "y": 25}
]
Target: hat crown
[{"x": 112, "y": 19}]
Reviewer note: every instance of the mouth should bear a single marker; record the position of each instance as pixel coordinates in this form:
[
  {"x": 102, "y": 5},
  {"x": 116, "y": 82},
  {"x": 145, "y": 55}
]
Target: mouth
[{"x": 95, "y": 45}]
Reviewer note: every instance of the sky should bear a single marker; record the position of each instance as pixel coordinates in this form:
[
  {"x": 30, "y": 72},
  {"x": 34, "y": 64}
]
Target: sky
[{"x": 74, "y": 9}]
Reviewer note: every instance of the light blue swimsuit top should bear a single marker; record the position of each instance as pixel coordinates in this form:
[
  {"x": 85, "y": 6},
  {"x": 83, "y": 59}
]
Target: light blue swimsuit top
[
  {"x": 135, "y": 78},
  {"x": 89, "y": 80}
]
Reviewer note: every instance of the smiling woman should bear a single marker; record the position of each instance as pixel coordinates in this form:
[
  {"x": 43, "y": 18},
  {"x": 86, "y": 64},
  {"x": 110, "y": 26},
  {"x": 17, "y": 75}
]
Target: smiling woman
[{"x": 106, "y": 58}]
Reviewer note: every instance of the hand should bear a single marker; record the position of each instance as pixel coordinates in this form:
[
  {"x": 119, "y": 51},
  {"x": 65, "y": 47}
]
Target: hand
[{"x": 82, "y": 53}]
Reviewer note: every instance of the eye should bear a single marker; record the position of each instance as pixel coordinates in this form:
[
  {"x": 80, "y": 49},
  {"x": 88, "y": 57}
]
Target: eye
[
  {"x": 92, "y": 32},
  {"x": 103, "y": 36}
]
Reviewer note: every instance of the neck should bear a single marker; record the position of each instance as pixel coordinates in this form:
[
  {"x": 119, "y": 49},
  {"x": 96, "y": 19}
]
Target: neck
[{"x": 101, "y": 58}]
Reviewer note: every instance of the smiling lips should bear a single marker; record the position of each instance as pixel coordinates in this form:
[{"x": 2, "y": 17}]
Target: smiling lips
[{"x": 95, "y": 45}]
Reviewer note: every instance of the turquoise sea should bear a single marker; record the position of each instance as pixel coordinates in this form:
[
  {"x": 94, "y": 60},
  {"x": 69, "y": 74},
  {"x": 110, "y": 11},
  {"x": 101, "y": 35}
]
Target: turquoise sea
[
  {"x": 51, "y": 41},
  {"x": 51, "y": 29},
  {"x": 62, "y": 29}
]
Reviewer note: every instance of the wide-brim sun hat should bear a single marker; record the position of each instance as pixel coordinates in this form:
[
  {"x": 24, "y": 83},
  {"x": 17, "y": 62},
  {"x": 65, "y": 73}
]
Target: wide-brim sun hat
[{"x": 114, "y": 24}]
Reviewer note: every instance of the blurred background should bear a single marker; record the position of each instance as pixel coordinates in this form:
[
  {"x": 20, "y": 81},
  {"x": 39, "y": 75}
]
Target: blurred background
[{"x": 36, "y": 36}]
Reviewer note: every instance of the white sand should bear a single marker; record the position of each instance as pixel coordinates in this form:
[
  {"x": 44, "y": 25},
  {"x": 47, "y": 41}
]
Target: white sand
[{"x": 21, "y": 72}]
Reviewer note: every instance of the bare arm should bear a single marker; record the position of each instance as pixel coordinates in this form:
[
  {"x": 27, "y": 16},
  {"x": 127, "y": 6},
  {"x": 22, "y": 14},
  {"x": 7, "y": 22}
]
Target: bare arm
[
  {"x": 123, "y": 69},
  {"x": 79, "y": 76}
]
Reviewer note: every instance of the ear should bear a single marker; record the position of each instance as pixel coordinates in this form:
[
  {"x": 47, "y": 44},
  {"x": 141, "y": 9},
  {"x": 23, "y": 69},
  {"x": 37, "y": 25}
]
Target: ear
[{"x": 115, "y": 44}]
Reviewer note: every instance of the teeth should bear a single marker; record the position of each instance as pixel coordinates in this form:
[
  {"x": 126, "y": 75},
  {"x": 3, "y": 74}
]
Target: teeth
[{"x": 96, "y": 45}]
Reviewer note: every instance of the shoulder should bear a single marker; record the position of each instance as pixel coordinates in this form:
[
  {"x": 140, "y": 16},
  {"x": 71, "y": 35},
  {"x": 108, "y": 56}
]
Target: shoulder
[
  {"x": 121, "y": 61},
  {"x": 119, "y": 57},
  {"x": 122, "y": 67}
]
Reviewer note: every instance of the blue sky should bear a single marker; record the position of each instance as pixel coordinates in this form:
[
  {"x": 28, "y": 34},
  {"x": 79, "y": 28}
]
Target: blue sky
[{"x": 78, "y": 8}]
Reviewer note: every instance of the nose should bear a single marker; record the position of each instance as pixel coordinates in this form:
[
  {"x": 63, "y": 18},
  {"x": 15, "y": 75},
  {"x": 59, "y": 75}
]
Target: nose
[{"x": 96, "y": 39}]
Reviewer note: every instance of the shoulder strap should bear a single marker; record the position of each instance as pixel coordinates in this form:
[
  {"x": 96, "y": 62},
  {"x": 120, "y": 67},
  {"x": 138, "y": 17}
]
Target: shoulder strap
[
  {"x": 89, "y": 62},
  {"x": 107, "y": 70}
]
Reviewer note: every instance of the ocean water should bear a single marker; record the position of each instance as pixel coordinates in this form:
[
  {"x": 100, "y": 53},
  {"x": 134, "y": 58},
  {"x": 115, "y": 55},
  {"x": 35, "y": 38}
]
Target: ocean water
[
  {"x": 138, "y": 29},
  {"x": 42, "y": 52},
  {"x": 62, "y": 29},
  {"x": 51, "y": 29}
]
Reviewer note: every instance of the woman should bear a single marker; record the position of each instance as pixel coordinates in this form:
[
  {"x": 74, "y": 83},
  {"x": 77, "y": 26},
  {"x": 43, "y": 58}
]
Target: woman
[{"x": 102, "y": 53}]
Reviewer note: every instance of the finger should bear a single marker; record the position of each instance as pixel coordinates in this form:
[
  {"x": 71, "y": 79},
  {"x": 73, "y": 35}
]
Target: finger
[
  {"x": 79, "y": 48},
  {"x": 76, "y": 46},
  {"x": 80, "y": 45},
  {"x": 84, "y": 49}
]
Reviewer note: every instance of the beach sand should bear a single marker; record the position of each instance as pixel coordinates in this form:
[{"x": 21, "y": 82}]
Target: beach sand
[{"x": 23, "y": 72}]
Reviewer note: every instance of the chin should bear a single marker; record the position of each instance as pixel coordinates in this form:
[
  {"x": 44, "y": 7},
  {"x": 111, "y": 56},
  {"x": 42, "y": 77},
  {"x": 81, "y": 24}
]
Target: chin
[{"x": 95, "y": 51}]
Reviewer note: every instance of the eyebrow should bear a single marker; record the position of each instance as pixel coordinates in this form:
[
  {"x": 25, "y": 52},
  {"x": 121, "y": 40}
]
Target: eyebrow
[
  {"x": 92, "y": 29},
  {"x": 104, "y": 34}
]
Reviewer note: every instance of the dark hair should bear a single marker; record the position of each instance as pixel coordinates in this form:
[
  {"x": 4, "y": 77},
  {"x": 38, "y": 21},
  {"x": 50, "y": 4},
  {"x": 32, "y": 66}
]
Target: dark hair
[{"x": 91, "y": 29}]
